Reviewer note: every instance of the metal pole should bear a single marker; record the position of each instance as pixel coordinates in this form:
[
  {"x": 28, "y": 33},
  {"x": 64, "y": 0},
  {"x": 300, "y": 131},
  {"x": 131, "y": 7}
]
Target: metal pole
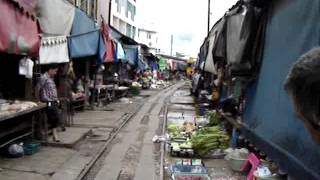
[
  {"x": 209, "y": 2},
  {"x": 171, "y": 45}
]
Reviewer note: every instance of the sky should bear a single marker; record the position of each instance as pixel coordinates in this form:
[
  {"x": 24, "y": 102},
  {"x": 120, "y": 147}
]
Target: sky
[{"x": 186, "y": 20}]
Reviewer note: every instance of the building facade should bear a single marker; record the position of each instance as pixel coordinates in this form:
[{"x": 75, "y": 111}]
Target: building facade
[
  {"x": 123, "y": 17},
  {"x": 149, "y": 38},
  {"x": 96, "y": 9}
]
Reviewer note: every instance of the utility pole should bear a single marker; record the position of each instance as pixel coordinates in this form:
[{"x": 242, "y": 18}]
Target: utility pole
[
  {"x": 171, "y": 45},
  {"x": 209, "y": 2}
]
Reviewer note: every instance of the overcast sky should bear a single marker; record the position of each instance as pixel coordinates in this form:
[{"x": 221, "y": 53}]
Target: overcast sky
[{"x": 186, "y": 20}]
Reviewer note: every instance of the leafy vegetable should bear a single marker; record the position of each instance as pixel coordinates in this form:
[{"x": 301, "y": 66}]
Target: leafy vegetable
[
  {"x": 214, "y": 118},
  {"x": 209, "y": 138}
]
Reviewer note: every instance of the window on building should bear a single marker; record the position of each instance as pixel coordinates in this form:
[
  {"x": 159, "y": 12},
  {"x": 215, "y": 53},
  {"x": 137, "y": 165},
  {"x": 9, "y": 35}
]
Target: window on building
[
  {"x": 93, "y": 8},
  {"x": 128, "y": 8},
  {"x": 115, "y": 22},
  {"x": 148, "y": 35},
  {"x": 133, "y": 31},
  {"x": 128, "y": 31},
  {"x": 118, "y": 6},
  {"x": 84, "y": 5},
  {"x": 133, "y": 13},
  {"x": 132, "y": 9},
  {"x": 122, "y": 26}
]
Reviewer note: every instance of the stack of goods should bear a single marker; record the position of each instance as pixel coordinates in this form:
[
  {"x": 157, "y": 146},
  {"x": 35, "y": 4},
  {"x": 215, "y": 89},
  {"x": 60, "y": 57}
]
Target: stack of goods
[{"x": 9, "y": 107}]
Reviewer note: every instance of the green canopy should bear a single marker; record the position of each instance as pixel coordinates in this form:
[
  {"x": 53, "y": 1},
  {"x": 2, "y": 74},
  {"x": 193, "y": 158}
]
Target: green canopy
[{"x": 162, "y": 64}]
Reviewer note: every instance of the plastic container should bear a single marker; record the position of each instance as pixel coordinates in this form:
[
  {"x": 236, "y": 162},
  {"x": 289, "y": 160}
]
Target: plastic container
[
  {"x": 236, "y": 158},
  {"x": 235, "y": 163},
  {"x": 31, "y": 148}
]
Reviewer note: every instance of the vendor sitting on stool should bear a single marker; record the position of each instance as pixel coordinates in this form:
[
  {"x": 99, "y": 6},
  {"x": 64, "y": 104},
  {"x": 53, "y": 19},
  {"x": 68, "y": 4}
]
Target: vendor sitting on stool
[{"x": 49, "y": 95}]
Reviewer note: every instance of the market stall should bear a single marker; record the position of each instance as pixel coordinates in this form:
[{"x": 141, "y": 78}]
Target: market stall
[
  {"x": 20, "y": 115},
  {"x": 19, "y": 119}
]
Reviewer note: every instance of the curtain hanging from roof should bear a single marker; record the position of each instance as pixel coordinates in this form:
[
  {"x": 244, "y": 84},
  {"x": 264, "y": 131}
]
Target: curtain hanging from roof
[
  {"x": 109, "y": 44},
  {"x": 54, "y": 50},
  {"x": 84, "y": 39},
  {"x": 120, "y": 51},
  {"x": 209, "y": 64},
  {"x": 18, "y": 32},
  {"x": 101, "y": 49},
  {"x": 162, "y": 64},
  {"x": 55, "y": 16},
  {"x": 132, "y": 54}
]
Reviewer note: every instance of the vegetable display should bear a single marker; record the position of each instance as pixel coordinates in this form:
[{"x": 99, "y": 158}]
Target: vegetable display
[
  {"x": 209, "y": 138},
  {"x": 214, "y": 118}
]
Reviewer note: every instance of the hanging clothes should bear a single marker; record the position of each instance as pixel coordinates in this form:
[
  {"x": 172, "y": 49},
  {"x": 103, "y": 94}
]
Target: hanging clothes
[
  {"x": 55, "y": 17},
  {"x": 54, "y": 50},
  {"x": 26, "y": 67},
  {"x": 18, "y": 31}
]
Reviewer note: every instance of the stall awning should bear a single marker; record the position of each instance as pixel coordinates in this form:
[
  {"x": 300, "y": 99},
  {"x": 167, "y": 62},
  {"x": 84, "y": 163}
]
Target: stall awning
[
  {"x": 142, "y": 65},
  {"x": 209, "y": 64},
  {"x": 84, "y": 39},
  {"x": 110, "y": 46},
  {"x": 18, "y": 32},
  {"x": 120, "y": 52},
  {"x": 54, "y": 50},
  {"x": 55, "y": 16},
  {"x": 162, "y": 64},
  {"x": 132, "y": 54}
]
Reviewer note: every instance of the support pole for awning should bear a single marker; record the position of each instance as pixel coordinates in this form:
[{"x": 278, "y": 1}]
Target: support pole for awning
[{"x": 209, "y": 2}]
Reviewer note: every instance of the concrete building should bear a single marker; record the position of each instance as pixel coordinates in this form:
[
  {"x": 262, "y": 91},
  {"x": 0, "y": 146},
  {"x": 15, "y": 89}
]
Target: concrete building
[
  {"x": 94, "y": 8},
  {"x": 149, "y": 38},
  {"x": 123, "y": 17}
]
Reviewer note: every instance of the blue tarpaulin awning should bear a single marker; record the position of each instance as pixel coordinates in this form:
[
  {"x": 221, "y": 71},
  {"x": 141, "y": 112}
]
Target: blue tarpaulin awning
[
  {"x": 84, "y": 38},
  {"x": 132, "y": 54}
]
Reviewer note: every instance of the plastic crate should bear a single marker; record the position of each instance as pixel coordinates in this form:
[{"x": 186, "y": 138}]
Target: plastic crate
[{"x": 31, "y": 148}]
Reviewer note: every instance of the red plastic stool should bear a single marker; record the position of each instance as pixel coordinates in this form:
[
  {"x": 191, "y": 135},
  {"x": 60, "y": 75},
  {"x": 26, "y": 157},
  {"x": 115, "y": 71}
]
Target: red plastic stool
[{"x": 252, "y": 162}]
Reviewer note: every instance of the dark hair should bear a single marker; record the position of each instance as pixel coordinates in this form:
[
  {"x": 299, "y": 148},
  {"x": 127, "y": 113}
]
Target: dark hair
[
  {"x": 53, "y": 66},
  {"x": 47, "y": 67},
  {"x": 303, "y": 84}
]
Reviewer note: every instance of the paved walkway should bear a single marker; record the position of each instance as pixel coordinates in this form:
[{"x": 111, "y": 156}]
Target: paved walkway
[
  {"x": 79, "y": 145},
  {"x": 133, "y": 156}
]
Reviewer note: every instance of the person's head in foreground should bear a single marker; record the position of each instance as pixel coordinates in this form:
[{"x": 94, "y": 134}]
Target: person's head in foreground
[{"x": 303, "y": 87}]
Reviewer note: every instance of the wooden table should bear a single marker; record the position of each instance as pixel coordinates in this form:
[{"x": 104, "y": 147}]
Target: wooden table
[
  {"x": 121, "y": 91},
  {"x": 20, "y": 124}
]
